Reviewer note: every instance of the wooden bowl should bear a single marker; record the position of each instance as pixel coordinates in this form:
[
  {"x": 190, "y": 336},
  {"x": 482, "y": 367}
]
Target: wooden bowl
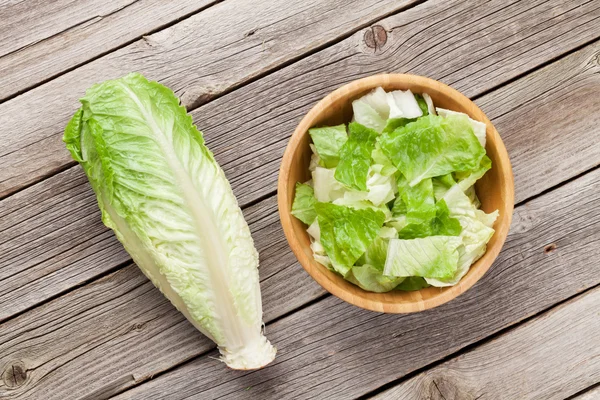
[{"x": 495, "y": 190}]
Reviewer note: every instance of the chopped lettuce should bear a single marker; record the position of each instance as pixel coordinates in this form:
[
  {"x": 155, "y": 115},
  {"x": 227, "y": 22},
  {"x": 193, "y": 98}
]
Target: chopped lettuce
[
  {"x": 479, "y": 128},
  {"x": 392, "y": 205},
  {"x": 429, "y": 102},
  {"x": 346, "y": 232},
  {"x": 429, "y": 257},
  {"x": 422, "y": 104},
  {"x": 403, "y": 104},
  {"x": 412, "y": 283},
  {"x": 328, "y": 141},
  {"x": 370, "y": 278},
  {"x": 394, "y": 123},
  {"x": 326, "y": 187},
  {"x": 372, "y": 110},
  {"x": 303, "y": 207},
  {"x": 433, "y": 146},
  {"x": 355, "y": 157}
]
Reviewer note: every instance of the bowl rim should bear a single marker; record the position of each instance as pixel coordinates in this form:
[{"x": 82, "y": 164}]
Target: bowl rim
[{"x": 360, "y": 297}]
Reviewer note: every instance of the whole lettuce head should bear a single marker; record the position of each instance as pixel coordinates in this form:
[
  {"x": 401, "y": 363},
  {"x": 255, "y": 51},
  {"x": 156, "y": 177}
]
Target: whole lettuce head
[{"x": 168, "y": 201}]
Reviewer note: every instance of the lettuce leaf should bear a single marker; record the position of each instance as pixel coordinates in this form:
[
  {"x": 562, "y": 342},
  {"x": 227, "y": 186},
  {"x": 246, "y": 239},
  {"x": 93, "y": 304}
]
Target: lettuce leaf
[
  {"x": 403, "y": 104},
  {"x": 422, "y": 104},
  {"x": 370, "y": 278},
  {"x": 355, "y": 157},
  {"x": 328, "y": 141},
  {"x": 346, "y": 232},
  {"x": 326, "y": 187},
  {"x": 429, "y": 257},
  {"x": 412, "y": 283},
  {"x": 168, "y": 202},
  {"x": 372, "y": 110},
  {"x": 479, "y": 128},
  {"x": 433, "y": 146},
  {"x": 303, "y": 207}
]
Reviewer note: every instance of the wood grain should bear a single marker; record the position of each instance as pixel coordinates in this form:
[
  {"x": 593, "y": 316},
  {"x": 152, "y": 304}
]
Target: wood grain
[
  {"x": 56, "y": 241},
  {"x": 43, "y": 39},
  {"x": 337, "y": 351},
  {"x": 551, "y": 357},
  {"x": 495, "y": 190},
  {"x": 199, "y": 58}
]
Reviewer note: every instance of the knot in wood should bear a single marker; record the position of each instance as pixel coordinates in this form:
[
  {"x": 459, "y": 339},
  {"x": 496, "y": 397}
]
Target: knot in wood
[
  {"x": 375, "y": 37},
  {"x": 15, "y": 375}
]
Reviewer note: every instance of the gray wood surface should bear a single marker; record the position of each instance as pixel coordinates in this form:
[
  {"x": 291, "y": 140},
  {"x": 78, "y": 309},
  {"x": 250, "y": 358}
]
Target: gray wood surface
[
  {"x": 332, "y": 350},
  {"x": 56, "y": 241},
  {"x": 245, "y": 41},
  {"x": 550, "y": 357},
  {"x": 42, "y": 39},
  {"x": 79, "y": 321},
  {"x": 472, "y": 48}
]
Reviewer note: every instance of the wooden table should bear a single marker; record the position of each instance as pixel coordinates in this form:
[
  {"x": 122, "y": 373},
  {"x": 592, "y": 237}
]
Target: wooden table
[{"x": 79, "y": 321}]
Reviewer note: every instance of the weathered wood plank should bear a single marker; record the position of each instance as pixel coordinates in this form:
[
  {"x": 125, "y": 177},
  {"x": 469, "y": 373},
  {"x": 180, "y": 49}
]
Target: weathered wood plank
[
  {"x": 24, "y": 23},
  {"x": 43, "y": 39},
  {"x": 65, "y": 244},
  {"x": 460, "y": 39},
  {"x": 52, "y": 239},
  {"x": 123, "y": 317},
  {"x": 551, "y": 357},
  {"x": 336, "y": 351},
  {"x": 200, "y": 57}
]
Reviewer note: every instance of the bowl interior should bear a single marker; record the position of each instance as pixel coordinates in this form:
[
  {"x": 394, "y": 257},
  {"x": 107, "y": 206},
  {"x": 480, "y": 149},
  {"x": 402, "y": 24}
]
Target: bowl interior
[{"x": 495, "y": 191}]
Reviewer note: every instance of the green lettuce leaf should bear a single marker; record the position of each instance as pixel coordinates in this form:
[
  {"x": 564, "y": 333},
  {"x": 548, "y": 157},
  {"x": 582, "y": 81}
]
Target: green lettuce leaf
[
  {"x": 422, "y": 104},
  {"x": 441, "y": 184},
  {"x": 412, "y": 283},
  {"x": 429, "y": 257},
  {"x": 442, "y": 224},
  {"x": 479, "y": 128},
  {"x": 328, "y": 141},
  {"x": 466, "y": 179},
  {"x": 433, "y": 146},
  {"x": 394, "y": 123},
  {"x": 370, "y": 278},
  {"x": 346, "y": 232},
  {"x": 379, "y": 158},
  {"x": 355, "y": 157},
  {"x": 303, "y": 207},
  {"x": 168, "y": 202}
]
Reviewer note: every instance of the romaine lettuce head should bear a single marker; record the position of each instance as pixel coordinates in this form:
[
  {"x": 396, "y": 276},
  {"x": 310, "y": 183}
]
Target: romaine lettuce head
[{"x": 168, "y": 201}]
